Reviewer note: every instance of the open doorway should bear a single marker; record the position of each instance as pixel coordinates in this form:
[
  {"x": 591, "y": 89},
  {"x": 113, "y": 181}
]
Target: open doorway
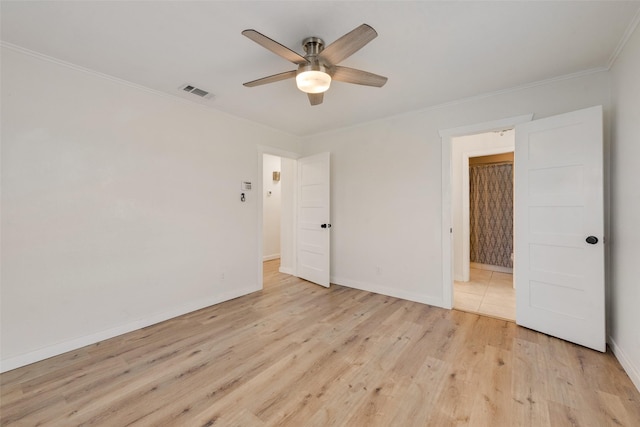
[
  {"x": 482, "y": 195},
  {"x": 277, "y": 209},
  {"x": 271, "y": 215},
  {"x": 558, "y": 171},
  {"x": 459, "y": 145},
  {"x": 304, "y": 215}
]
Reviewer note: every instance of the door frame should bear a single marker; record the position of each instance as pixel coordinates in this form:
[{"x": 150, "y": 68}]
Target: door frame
[
  {"x": 446, "y": 137},
  {"x": 261, "y": 150}
]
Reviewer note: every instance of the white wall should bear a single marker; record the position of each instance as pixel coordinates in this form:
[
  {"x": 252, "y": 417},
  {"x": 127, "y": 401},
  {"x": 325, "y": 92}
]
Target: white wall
[
  {"x": 120, "y": 207},
  {"x": 624, "y": 313},
  {"x": 386, "y": 184},
  {"x": 461, "y": 149},
  {"x": 271, "y": 205}
]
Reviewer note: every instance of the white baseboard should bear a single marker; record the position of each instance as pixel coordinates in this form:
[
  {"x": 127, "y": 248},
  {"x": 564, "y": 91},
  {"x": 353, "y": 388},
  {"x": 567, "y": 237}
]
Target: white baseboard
[
  {"x": 497, "y": 268},
  {"x": 287, "y": 270},
  {"x": 392, "y": 292},
  {"x": 627, "y": 364},
  {"x": 76, "y": 343},
  {"x": 270, "y": 257}
]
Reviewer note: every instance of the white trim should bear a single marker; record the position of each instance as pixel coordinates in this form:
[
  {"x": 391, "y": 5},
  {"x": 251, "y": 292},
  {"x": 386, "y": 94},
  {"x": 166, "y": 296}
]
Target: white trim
[
  {"x": 460, "y": 101},
  {"x": 488, "y": 267},
  {"x": 626, "y": 362},
  {"x": 286, "y": 270},
  {"x": 270, "y": 257},
  {"x": 447, "y": 225},
  {"x": 208, "y": 105},
  {"x": 95, "y": 73},
  {"x": 294, "y": 214},
  {"x": 500, "y": 124},
  {"x": 261, "y": 151},
  {"x": 339, "y": 129},
  {"x": 76, "y": 343},
  {"x": 525, "y": 86},
  {"x": 274, "y": 151},
  {"x": 625, "y": 38},
  {"x": 384, "y": 290},
  {"x": 446, "y": 136}
]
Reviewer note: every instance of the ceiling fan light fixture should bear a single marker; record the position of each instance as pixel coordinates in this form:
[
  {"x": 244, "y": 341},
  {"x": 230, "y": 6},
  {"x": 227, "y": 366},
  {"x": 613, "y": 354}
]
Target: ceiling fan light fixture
[{"x": 313, "y": 79}]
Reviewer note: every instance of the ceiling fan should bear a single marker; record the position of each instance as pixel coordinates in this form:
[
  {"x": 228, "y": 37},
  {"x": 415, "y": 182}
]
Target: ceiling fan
[{"x": 320, "y": 65}]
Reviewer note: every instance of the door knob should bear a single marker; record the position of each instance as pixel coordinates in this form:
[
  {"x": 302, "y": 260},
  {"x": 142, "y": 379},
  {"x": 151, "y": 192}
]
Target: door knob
[
  {"x": 592, "y": 240},
  {"x": 325, "y": 226}
]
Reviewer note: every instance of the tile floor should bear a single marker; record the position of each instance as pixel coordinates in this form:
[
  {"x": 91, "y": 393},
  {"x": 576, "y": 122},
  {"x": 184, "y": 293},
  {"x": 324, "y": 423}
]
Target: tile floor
[{"x": 488, "y": 292}]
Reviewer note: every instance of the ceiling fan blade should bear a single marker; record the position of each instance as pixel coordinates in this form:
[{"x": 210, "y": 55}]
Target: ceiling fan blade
[
  {"x": 274, "y": 47},
  {"x": 348, "y": 44},
  {"x": 359, "y": 77},
  {"x": 271, "y": 79},
  {"x": 316, "y": 98}
]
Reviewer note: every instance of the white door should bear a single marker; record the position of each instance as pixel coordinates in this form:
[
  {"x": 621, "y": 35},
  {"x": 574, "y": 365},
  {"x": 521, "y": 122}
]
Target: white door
[
  {"x": 559, "y": 226},
  {"x": 313, "y": 219}
]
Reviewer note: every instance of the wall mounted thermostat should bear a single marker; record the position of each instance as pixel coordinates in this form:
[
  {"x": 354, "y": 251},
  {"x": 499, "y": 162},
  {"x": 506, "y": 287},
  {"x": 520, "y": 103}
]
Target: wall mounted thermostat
[{"x": 246, "y": 186}]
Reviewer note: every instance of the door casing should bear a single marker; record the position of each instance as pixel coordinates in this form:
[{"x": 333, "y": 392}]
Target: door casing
[
  {"x": 257, "y": 193},
  {"x": 447, "y": 136}
]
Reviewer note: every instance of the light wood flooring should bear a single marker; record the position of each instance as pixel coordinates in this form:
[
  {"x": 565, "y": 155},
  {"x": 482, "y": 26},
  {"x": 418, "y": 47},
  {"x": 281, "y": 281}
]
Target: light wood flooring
[
  {"x": 487, "y": 292},
  {"x": 297, "y": 354}
]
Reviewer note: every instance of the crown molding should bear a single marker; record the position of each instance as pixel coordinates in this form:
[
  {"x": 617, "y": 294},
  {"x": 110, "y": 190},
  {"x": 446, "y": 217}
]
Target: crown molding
[
  {"x": 136, "y": 86},
  {"x": 468, "y": 99},
  {"x": 85, "y": 70},
  {"x": 631, "y": 28}
]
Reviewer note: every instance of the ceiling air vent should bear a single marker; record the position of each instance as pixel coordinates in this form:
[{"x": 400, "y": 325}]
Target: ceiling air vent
[{"x": 196, "y": 91}]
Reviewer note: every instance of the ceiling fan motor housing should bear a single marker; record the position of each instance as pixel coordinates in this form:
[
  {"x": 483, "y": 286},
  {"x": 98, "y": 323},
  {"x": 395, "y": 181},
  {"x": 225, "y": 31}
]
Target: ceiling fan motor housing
[{"x": 312, "y": 46}]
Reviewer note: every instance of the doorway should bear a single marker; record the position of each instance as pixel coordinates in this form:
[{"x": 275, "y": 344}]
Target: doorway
[
  {"x": 271, "y": 207},
  {"x": 559, "y": 224},
  {"x": 271, "y": 215},
  {"x": 449, "y": 257},
  {"x": 304, "y": 214},
  {"x": 277, "y": 172},
  {"x": 483, "y": 223}
]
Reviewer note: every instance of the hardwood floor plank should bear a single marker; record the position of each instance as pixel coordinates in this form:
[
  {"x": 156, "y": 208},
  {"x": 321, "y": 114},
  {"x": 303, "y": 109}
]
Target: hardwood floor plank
[
  {"x": 297, "y": 354},
  {"x": 454, "y": 403},
  {"x": 528, "y": 388},
  {"x": 417, "y": 394},
  {"x": 565, "y": 416},
  {"x": 613, "y": 410},
  {"x": 492, "y": 404}
]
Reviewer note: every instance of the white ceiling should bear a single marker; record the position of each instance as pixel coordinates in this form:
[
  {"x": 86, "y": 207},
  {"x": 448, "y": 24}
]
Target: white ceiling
[{"x": 432, "y": 52}]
